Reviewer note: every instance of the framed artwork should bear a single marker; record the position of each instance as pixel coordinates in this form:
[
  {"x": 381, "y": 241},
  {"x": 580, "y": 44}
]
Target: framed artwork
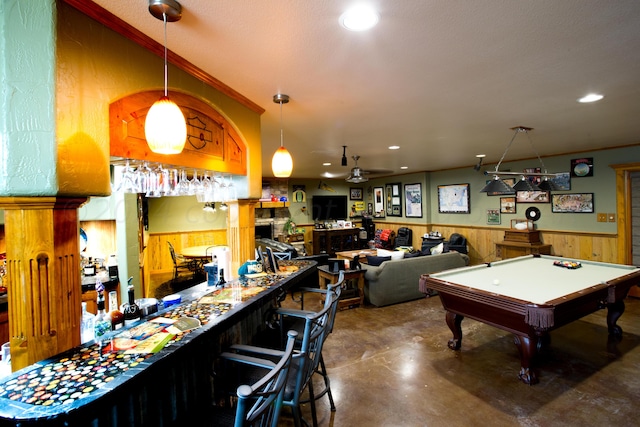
[
  {"x": 370, "y": 208},
  {"x": 493, "y": 216},
  {"x": 508, "y": 205},
  {"x": 509, "y": 181},
  {"x": 535, "y": 180},
  {"x": 572, "y": 203},
  {"x": 378, "y": 201},
  {"x": 454, "y": 198},
  {"x": 582, "y": 167},
  {"x": 394, "y": 200},
  {"x": 413, "y": 200},
  {"x": 532, "y": 197},
  {"x": 355, "y": 194},
  {"x": 562, "y": 181}
]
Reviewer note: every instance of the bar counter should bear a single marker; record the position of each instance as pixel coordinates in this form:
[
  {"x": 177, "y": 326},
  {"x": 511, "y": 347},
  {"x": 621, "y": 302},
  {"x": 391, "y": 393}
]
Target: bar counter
[{"x": 82, "y": 387}]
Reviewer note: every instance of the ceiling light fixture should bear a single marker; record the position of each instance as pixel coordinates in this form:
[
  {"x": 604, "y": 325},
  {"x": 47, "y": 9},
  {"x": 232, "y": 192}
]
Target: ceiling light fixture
[
  {"x": 165, "y": 128},
  {"x": 592, "y": 97},
  {"x": 479, "y": 164},
  {"x": 359, "y": 18},
  {"x": 498, "y": 185},
  {"x": 210, "y": 207},
  {"x": 344, "y": 155},
  {"x": 281, "y": 163}
]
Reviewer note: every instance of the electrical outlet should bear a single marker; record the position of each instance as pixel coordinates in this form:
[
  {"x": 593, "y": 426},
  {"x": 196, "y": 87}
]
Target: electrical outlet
[
  {"x": 602, "y": 217},
  {"x": 611, "y": 217}
]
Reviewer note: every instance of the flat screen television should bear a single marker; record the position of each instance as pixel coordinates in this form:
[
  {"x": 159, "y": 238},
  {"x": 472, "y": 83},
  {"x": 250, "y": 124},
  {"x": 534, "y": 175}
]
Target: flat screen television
[{"x": 329, "y": 207}]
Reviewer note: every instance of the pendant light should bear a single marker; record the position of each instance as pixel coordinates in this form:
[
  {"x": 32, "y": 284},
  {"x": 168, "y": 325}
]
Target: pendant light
[
  {"x": 281, "y": 163},
  {"x": 165, "y": 127}
]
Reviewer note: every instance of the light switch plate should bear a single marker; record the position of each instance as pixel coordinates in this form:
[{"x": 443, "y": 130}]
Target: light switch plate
[
  {"x": 602, "y": 217},
  {"x": 611, "y": 217}
]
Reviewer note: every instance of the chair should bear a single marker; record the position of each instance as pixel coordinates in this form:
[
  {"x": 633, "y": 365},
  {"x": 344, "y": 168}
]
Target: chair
[
  {"x": 179, "y": 263},
  {"x": 258, "y": 404},
  {"x": 282, "y": 255},
  {"x": 306, "y": 358}
]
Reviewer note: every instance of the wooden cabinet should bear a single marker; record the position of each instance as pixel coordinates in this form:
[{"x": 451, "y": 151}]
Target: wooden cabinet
[
  {"x": 506, "y": 249},
  {"x": 521, "y": 242},
  {"x": 335, "y": 240}
]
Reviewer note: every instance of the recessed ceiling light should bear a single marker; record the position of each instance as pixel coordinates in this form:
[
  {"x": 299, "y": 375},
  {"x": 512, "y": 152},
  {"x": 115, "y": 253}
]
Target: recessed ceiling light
[
  {"x": 481, "y": 155},
  {"x": 394, "y": 147},
  {"x": 592, "y": 97},
  {"x": 359, "y": 18},
  {"x": 404, "y": 167},
  {"x": 326, "y": 164}
]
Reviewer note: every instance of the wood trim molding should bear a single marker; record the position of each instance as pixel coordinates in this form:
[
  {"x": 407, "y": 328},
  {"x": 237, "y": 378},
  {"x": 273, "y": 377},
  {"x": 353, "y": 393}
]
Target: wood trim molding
[
  {"x": 109, "y": 20},
  {"x": 623, "y": 208}
]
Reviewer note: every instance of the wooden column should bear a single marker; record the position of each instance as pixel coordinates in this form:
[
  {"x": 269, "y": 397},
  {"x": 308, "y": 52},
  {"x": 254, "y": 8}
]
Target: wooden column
[
  {"x": 241, "y": 233},
  {"x": 43, "y": 270}
]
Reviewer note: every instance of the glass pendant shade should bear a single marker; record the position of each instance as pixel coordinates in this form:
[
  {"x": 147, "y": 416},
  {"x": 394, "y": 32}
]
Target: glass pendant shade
[
  {"x": 165, "y": 127},
  {"x": 282, "y": 163}
]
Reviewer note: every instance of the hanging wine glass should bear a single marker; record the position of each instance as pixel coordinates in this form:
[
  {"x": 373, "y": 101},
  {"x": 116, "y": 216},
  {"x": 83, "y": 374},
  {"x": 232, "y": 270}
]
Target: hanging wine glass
[
  {"x": 183, "y": 186},
  {"x": 206, "y": 188},
  {"x": 231, "y": 189},
  {"x": 195, "y": 186}
]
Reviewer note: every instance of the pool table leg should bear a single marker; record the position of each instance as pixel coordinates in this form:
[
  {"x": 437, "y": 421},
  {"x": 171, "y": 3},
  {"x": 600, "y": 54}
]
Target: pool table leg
[
  {"x": 453, "y": 321},
  {"x": 614, "y": 311},
  {"x": 528, "y": 348}
]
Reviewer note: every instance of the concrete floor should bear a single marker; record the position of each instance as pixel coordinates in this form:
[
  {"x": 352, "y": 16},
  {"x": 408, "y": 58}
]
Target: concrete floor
[{"x": 391, "y": 366}]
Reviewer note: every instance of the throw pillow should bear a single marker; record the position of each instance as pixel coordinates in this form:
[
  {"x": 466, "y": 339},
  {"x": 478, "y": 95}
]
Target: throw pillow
[
  {"x": 393, "y": 254},
  {"x": 375, "y": 261},
  {"x": 413, "y": 254},
  {"x": 436, "y": 250}
]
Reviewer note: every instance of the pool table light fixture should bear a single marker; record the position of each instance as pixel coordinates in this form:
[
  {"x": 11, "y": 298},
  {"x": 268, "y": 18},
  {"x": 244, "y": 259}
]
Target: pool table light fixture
[{"x": 498, "y": 185}]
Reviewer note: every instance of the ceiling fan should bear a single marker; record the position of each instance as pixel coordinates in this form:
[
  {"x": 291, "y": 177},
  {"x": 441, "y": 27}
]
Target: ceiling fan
[{"x": 357, "y": 174}]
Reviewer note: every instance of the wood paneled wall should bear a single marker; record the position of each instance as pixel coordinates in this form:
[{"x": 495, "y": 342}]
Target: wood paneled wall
[{"x": 158, "y": 258}]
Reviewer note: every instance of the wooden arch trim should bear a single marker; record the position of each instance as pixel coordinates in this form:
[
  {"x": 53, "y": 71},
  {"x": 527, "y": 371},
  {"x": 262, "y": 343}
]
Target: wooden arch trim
[{"x": 212, "y": 142}]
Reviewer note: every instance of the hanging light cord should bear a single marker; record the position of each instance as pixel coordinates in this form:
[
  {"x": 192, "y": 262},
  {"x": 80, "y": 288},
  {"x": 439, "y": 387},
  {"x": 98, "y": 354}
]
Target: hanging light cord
[
  {"x": 507, "y": 149},
  {"x": 281, "y": 130},
  {"x": 166, "y": 67},
  {"x": 544, "y": 168}
]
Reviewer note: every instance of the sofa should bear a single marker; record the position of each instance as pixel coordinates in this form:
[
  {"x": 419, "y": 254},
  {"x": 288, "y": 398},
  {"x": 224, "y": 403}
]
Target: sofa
[{"x": 396, "y": 281}]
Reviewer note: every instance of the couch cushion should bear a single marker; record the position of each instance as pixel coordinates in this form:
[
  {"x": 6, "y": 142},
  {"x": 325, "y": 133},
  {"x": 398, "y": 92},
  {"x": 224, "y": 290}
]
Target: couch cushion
[
  {"x": 395, "y": 255},
  {"x": 377, "y": 260},
  {"x": 412, "y": 254}
]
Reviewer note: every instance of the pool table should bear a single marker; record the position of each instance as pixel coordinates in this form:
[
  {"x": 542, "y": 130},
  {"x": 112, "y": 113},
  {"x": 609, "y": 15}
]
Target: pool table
[{"x": 530, "y": 296}]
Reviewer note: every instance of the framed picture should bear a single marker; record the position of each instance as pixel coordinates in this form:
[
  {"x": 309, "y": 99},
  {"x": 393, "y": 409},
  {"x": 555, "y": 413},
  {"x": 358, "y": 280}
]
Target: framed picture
[
  {"x": 572, "y": 203},
  {"x": 394, "y": 200},
  {"x": 532, "y": 197},
  {"x": 355, "y": 194},
  {"x": 378, "y": 201},
  {"x": 493, "y": 216},
  {"x": 509, "y": 181},
  {"x": 454, "y": 198},
  {"x": 535, "y": 180},
  {"x": 508, "y": 205},
  {"x": 582, "y": 167},
  {"x": 562, "y": 181},
  {"x": 413, "y": 200}
]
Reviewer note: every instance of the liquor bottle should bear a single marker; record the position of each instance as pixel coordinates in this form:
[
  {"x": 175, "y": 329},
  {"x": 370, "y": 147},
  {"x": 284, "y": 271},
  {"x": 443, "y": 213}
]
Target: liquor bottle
[
  {"x": 101, "y": 324},
  {"x": 116, "y": 316},
  {"x": 86, "y": 325},
  {"x": 221, "y": 281},
  {"x": 212, "y": 272},
  {"x": 131, "y": 311}
]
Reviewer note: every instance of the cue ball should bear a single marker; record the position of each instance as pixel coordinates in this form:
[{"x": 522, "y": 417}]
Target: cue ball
[{"x": 496, "y": 282}]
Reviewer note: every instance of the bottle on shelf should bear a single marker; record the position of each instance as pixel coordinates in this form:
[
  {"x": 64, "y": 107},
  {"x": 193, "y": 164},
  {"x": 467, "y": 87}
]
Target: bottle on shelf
[
  {"x": 101, "y": 324},
  {"x": 86, "y": 325},
  {"x": 131, "y": 310},
  {"x": 116, "y": 316},
  {"x": 221, "y": 281},
  {"x": 213, "y": 278}
]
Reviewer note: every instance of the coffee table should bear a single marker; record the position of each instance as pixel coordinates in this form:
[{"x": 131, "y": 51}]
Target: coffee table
[{"x": 362, "y": 252}]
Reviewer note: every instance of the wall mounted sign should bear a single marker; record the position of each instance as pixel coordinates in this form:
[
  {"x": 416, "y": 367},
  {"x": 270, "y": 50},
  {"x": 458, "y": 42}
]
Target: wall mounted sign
[{"x": 582, "y": 167}]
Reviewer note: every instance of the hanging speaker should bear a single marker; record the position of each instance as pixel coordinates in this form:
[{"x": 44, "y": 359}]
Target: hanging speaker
[{"x": 533, "y": 213}]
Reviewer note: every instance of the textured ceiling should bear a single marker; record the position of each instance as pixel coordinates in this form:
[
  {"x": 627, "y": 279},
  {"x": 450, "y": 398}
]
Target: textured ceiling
[{"x": 445, "y": 80}]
